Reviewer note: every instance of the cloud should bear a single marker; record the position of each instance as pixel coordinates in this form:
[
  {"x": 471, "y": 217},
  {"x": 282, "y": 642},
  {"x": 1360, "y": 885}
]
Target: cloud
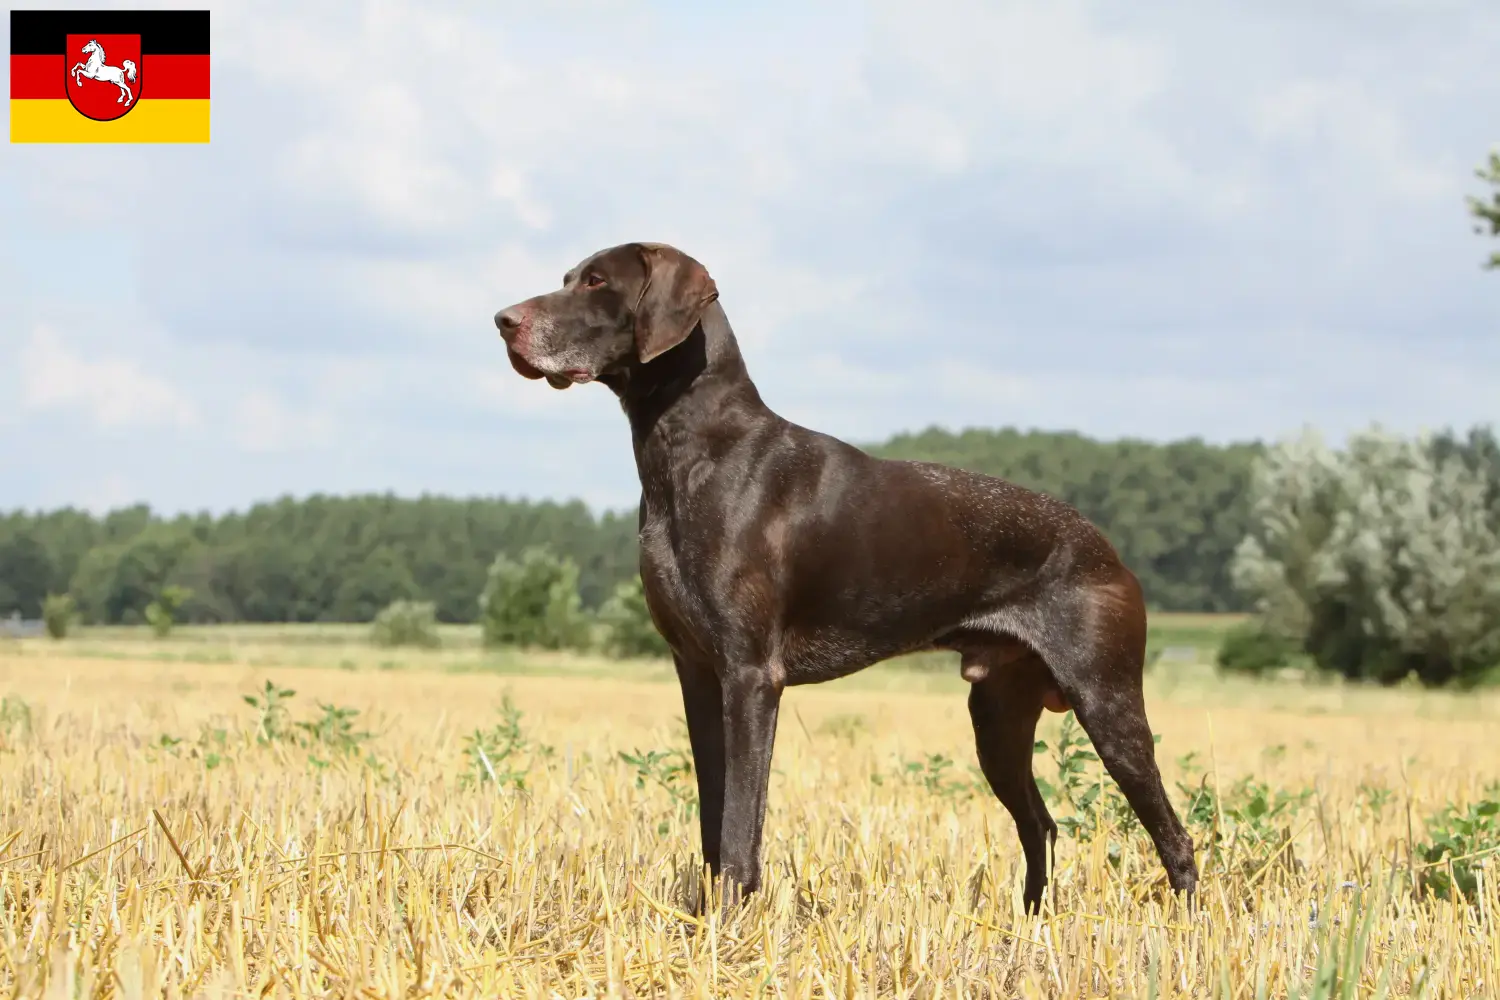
[
  {"x": 266, "y": 423},
  {"x": 1314, "y": 114},
  {"x": 115, "y": 393},
  {"x": 1040, "y": 84}
]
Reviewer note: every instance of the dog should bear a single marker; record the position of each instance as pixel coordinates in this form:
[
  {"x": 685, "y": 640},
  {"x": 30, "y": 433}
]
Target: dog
[{"x": 773, "y": 555}]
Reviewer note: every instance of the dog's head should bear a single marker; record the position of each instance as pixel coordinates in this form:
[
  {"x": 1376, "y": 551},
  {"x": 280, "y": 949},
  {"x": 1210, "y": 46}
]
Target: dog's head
[{"x": 622, "y": 306}]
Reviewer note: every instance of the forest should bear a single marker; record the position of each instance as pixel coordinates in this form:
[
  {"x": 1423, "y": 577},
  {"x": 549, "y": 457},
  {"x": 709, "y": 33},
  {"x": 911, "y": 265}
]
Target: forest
[{"x": 1176, "y": 511}]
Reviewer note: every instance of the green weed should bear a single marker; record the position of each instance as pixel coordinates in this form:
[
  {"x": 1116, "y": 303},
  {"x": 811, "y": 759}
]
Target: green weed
[
  {"x": 1458, "y": 842},
  {"x": 494, "y": 754},
  {"x": 670, "y": 770}
]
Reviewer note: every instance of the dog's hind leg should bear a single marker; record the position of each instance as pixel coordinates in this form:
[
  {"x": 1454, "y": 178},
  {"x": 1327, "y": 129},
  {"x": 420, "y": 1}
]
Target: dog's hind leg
[
  {"x": 1117, "y": 726},
  {"x": 1100, "y": 665},
  {"x": 1004, "y": 705}
]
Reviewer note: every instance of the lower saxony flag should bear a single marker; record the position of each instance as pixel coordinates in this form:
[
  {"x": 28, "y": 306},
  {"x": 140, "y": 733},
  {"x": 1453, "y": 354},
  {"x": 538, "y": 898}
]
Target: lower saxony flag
[{"x": 109, "y": 76}]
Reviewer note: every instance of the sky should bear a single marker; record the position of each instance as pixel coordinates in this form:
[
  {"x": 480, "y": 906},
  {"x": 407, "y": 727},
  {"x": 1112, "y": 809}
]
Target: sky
[{"x": 1185, "y": 218}]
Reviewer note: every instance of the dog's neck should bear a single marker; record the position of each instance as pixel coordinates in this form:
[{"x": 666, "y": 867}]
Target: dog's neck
[{"x": 688, "y": 404}]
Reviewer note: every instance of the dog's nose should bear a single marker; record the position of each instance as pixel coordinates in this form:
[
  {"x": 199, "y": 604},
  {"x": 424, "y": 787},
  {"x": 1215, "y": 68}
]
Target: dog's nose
[{"x": 508, "y": 320}]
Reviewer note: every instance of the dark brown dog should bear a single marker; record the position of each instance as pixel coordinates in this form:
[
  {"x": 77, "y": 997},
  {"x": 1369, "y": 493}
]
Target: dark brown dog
[{"x": 775, "y": 555}]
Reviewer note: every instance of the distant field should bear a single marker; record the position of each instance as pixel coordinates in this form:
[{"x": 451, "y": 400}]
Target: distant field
[
  {"x": 348, "y": 645},
  {"x": 1201, "y": 631},
  {"x": 160, "y": 836}
]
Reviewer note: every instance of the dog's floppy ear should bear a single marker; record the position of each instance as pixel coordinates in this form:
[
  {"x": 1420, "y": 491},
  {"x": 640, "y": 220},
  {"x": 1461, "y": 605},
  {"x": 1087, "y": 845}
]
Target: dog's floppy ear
[{"x": 676, "y": 291}]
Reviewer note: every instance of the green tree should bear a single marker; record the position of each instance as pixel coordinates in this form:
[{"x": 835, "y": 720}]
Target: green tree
[
  {"x": 372, "y": 584},
  {"x": 25, "y": 574},
  {"x": 58, "y": 612},
  {"x": 1479, "y": 451},
  {"x": 269, "y": 579},
  {"x": 67, "y": 535},
  {"x": 406, "y": 623},
  {"x": 116, "y": 581},
  {"x": 92, "y": 583},
  {"x": 629, "y": 628},
  {"x": 200, "y": 571},
  {"x": 1486, "y": 210},
  {"x": 161, "y": 613},
  {"x": 533, "y": 601},
  {"x": 1382, "y": 559}
]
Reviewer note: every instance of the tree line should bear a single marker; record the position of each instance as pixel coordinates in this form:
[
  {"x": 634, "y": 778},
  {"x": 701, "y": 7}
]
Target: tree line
[
  {"x": 321, "y": 558},
  {"x": 1380, "y": 560},
  {"x": 1176, "y": 511}
]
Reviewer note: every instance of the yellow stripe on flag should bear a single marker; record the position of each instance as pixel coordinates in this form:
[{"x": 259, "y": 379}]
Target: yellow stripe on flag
[{"x": 150, "y": 121}]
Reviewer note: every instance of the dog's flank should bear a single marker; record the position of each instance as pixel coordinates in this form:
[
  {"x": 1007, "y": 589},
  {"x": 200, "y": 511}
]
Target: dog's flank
[{"x": 774, "y": 555}]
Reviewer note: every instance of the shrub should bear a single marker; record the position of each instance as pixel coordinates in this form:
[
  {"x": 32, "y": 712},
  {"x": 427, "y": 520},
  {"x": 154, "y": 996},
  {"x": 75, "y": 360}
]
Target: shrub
[
  {"x": 162, "y": 612},
  {"x": 1383, "y": 559},
  {"x": 15, "y": 718},
  {"x": 533, "y": 601},
  {"x": 1252, "y": 648},
  {"x": 406, "y": 623},
  {"x": 59, "y": 611},
  {"x": 629, "y": 628}
]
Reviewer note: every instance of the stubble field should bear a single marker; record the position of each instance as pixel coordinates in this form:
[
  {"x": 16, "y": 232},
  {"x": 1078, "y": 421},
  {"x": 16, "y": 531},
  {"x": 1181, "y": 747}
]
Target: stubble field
[{"x": 522, "y": 825}]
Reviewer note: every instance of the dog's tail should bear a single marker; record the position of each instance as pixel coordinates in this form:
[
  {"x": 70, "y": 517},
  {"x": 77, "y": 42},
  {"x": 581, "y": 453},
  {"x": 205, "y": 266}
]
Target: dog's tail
[{"x": 130, "y": 70}]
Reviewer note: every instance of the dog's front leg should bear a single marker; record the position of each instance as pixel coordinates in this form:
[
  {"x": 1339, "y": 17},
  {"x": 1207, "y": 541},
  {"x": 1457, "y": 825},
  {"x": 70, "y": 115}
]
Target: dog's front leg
[
  {"x": 751, "y": 701},
  {"x": 703, "y": 705}
]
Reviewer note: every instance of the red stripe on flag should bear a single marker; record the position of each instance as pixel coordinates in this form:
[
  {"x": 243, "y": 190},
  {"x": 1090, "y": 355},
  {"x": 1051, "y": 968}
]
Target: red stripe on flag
[
  {"x": 38, "y": 78},
  {"x": 183, "y": 78},
  {"x": 41, "y": 78}
]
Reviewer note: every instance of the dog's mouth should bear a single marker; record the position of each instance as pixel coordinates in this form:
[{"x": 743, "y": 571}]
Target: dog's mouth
[
  {"x": 573, "y": 376},
  {"x": 521, "y": 365}
]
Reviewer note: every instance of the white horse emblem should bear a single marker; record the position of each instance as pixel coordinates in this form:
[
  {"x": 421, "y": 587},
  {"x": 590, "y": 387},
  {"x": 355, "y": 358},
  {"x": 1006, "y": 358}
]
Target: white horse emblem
[{"x": 95, "y": 69}]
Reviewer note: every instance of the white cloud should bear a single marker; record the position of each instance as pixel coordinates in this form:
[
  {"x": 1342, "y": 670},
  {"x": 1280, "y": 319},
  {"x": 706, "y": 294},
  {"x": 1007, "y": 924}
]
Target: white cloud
[
  {"x": 265, "y": 423},
  {"x": 509, "y": 185},
  {"x": 971, "y": 83},
  {"x": 114, "y": 392},
  {"x": 1341, "y": 116},
  {"x": 1034, "y": 62}
]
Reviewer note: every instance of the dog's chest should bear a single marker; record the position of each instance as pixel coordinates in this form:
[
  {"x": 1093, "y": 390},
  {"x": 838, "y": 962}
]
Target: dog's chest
[{"x": 669, "y": 596}]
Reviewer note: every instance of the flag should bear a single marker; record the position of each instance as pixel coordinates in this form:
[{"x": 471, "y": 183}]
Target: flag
[{"x": 109, "y": 76}]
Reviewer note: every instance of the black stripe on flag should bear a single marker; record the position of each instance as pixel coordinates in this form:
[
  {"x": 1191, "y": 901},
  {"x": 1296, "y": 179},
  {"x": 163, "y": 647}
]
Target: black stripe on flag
[{"x": 163, "y": 32}]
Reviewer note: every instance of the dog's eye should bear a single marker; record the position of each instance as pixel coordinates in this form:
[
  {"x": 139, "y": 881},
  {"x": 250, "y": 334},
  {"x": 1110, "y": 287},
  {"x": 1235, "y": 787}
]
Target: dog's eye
[{"x": 593, "y": 281}]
